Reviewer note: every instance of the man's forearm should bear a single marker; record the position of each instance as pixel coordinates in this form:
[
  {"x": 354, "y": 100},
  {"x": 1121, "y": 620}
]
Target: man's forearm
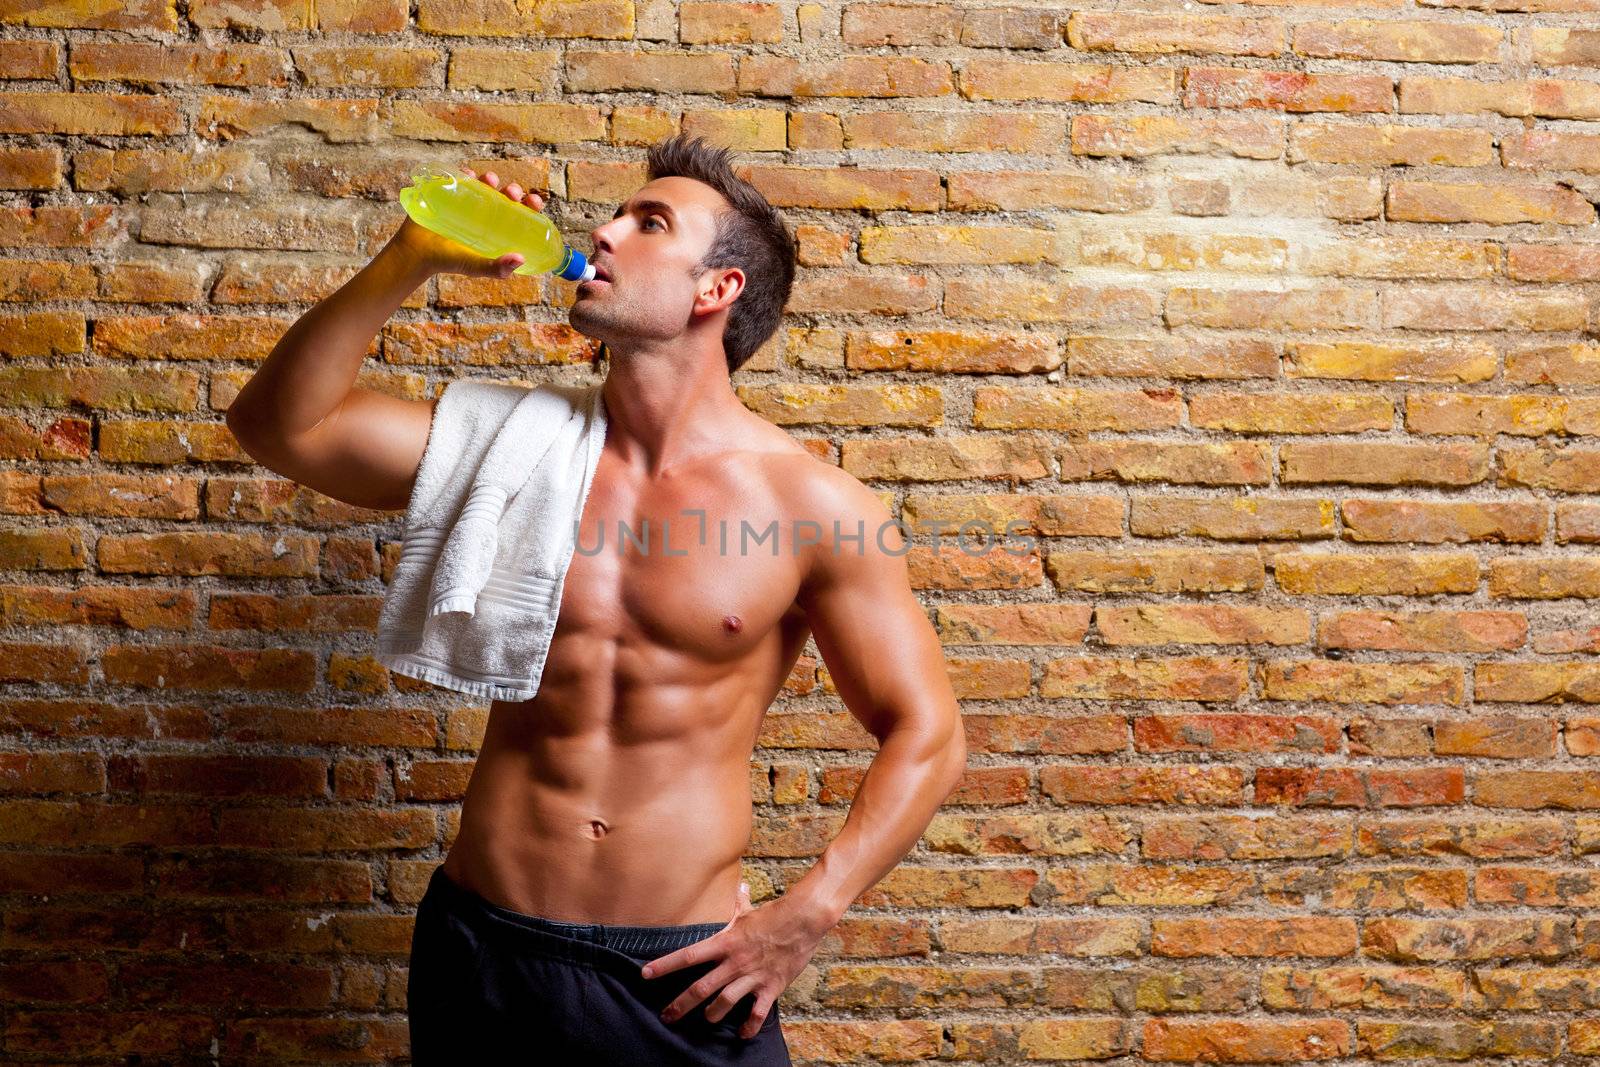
[
  {"x": 904, "y": 786},
  {"x": 314, "y": 365}
]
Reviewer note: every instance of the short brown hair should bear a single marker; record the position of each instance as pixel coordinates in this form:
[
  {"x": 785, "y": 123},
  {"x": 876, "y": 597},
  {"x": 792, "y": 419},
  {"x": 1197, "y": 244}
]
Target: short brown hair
[{"x": 752, "y": 237}]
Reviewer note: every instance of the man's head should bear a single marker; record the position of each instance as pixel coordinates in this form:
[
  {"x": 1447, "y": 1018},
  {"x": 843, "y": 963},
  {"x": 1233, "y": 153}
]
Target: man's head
[{"x": 695, "y": 246}]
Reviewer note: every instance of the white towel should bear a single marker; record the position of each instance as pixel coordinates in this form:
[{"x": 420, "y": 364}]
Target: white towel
[{"x": 490, "y": 532}]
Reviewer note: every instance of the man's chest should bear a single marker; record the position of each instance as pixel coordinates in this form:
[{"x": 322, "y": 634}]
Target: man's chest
[{"x": 702, "y": 564}]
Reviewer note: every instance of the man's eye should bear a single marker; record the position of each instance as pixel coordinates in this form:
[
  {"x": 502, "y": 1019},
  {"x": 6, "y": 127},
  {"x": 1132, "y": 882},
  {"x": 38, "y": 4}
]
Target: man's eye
[{"x": 649, "y": 220}]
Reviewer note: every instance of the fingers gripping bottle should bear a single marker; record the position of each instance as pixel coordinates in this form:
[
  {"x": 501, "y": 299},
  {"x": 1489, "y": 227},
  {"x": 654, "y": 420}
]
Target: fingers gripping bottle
[{"x": 490, "y": 223}]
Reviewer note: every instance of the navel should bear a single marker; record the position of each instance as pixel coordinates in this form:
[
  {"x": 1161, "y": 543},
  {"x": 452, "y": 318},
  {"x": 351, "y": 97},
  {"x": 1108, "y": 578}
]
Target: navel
[
  {"x": 598, "y": 829},
  {"x": 732, "y": 623}
]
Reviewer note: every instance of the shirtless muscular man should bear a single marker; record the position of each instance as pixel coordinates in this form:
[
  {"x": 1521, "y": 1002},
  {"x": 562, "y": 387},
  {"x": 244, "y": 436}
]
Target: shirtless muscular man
[{"x": 590, "y": 910}]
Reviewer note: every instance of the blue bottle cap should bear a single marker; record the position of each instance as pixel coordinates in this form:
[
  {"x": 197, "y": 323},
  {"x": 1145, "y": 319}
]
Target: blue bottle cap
[{"x": 577, "y": 268}]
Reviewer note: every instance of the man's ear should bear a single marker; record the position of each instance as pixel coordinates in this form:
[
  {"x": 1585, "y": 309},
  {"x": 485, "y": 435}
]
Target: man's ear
[{"x": 722, "y": 291}]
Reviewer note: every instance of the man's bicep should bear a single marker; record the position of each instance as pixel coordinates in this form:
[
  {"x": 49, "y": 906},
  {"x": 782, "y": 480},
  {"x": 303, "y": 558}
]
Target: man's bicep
[
  {"x": 874, "y": 636},
  {"x": 367, "y": 452}
]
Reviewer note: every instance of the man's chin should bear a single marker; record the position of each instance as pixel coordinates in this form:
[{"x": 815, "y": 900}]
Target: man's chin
[{"x": 584, "y": 325}]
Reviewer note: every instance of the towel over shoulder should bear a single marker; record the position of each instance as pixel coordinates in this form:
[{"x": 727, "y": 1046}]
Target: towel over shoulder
[{"x": 489, "y": 534}]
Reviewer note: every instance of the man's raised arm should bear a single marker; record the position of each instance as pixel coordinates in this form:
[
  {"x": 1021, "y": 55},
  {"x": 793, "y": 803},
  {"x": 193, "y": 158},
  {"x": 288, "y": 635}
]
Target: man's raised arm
[
  {"x": 887, "y": 663},
  {"x": 302, "y": 415}
]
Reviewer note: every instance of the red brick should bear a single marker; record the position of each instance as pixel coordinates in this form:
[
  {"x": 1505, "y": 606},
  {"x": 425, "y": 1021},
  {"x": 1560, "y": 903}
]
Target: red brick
[
  {"x": 1479, "y": 836},
  {"x": 1359, "y": 787},
  {"x": 1408, "y": 940},
  {"x": 22, "y": 662},
  {"x": 1254, "y": 936},
  {"x": 1089, "y": 784},
  {"x": 138, "y": 608},
  {"x": 212, "y": 668},
  {"x": 1246, "y": 1040},
  {"x": 1236, "y": 733}
]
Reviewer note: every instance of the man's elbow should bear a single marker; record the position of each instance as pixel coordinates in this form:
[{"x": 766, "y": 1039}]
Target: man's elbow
[
  {"x": 936, "y": 740},
  {"x": 956, "y": 752},
  {"x": 958, "y": 770},
  {"x": 247, "y": 428},
  {"x": 258, "y": 434}
]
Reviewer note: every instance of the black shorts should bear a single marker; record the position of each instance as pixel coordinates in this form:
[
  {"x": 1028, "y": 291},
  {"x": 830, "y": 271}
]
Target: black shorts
[{"x": 491, "y": 985}]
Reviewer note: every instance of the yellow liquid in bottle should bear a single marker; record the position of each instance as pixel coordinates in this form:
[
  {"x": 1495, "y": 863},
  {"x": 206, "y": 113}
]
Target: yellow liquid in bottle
[{"x": 485, "y": 220}]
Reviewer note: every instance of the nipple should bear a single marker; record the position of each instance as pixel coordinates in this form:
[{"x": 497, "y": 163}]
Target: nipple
[{"x": 732, "y": 623}]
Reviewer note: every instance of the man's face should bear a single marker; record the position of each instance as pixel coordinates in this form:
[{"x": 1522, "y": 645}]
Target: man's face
[{"x": 647, "y": 251}]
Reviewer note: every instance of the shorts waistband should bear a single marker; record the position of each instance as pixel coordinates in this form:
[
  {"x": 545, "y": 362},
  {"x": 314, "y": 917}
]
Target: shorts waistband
[{"x": 590, "y": 943}]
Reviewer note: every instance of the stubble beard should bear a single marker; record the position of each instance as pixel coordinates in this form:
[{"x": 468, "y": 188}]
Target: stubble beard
[
  {"x": 609, "y": 324},
  {"x": 589, "y": 320}
]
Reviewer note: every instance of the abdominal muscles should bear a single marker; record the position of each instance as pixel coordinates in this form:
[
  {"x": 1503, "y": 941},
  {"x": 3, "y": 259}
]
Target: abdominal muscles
[{"x": 591, "y": 829}]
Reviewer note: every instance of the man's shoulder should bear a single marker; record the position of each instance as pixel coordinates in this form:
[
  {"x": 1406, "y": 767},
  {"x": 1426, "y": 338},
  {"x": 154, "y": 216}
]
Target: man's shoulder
[
  {"x": 849, "y": 518},
  {"x": 808, "y": 483}
]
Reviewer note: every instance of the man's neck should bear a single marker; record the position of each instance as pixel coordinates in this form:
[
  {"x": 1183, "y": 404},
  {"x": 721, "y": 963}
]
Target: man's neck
[{"x": 662, "y": 411}]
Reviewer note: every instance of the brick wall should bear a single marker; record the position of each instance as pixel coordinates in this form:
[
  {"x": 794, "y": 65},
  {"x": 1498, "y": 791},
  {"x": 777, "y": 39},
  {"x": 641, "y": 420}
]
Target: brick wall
[{"x": 1275, "y": 325}]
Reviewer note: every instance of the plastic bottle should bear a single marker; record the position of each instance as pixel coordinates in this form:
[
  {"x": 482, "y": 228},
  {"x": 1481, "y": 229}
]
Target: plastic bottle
[{"x": 490, "y": 223}]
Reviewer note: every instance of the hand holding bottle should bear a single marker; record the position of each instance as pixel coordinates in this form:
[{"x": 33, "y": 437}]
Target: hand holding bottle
[
  {"x": 498, "y": 229},
  {"x": 441, "y": 255}
]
